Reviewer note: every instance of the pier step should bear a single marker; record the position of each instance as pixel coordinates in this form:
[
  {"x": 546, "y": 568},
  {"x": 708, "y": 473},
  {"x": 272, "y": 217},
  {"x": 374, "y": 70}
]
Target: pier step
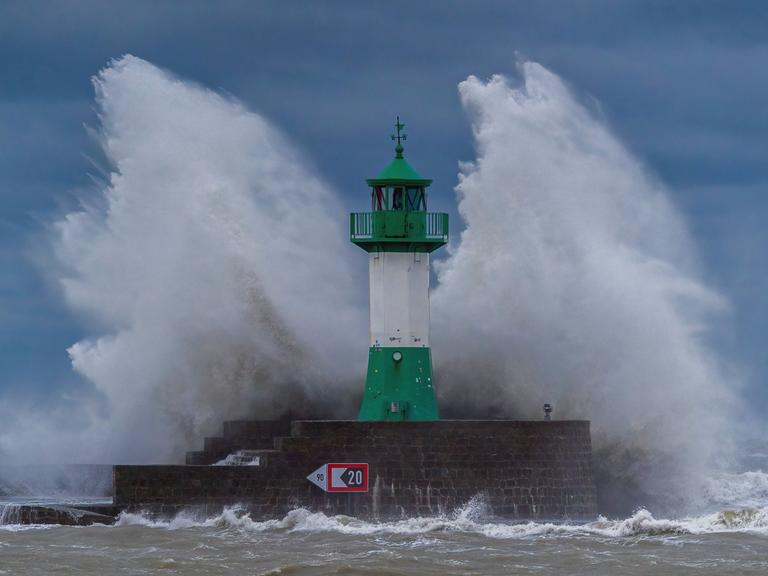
[
  {"x": 239, "y": 435},
  {"x": 247, "y": 458}
]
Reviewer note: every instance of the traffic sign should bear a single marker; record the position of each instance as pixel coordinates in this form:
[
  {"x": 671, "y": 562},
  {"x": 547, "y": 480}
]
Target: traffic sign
[{"x": 341, "y": 477}]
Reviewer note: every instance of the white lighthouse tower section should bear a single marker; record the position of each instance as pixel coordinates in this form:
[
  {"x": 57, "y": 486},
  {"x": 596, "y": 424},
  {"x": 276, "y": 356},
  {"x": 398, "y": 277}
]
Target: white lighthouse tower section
[{"x": 399, "y": 285}]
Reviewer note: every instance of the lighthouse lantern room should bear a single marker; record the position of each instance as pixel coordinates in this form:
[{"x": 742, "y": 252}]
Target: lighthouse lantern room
[{"x": 399, "y": 234}]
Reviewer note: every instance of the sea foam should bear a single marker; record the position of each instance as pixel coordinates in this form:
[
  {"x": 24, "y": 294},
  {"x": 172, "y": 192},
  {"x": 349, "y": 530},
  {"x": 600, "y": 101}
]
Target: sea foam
[
  {"x": 475, "y": 517},
  {"x": 641, "y": 523}
]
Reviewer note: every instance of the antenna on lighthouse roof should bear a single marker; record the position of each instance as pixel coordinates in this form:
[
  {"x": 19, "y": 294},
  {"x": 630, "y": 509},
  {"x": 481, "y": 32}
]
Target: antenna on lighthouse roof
[{"x": 399, "y": 148}]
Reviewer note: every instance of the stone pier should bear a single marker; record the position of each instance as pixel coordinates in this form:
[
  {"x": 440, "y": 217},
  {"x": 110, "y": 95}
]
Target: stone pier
[{"x": 521, "y": 469}]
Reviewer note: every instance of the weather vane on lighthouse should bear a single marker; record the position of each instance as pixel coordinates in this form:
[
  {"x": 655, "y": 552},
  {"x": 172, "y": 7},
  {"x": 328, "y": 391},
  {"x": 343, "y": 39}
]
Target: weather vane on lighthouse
[
  {"x": 399, "y": 148},
  {"x": 399, "y": 234}
]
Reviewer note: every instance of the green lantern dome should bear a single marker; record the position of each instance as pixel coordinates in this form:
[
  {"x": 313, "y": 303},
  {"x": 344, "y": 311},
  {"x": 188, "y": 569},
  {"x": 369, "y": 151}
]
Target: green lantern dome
[{"x": 399, "y": 171}]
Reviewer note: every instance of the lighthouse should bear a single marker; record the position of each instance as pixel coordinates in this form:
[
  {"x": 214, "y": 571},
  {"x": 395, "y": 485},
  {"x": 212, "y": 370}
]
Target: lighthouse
[{"x": 399, "y": 234}]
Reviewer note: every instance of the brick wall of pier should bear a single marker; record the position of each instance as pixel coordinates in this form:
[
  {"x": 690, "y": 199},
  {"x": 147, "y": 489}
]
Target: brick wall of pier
[{"x": 522, "y": 469}]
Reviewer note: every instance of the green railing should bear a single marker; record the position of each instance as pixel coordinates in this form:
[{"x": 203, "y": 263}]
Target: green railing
[
  {"x": 398, "y": 226},
  {"x": 436, "y": 225},
  {"x": 361, "y": 225}
]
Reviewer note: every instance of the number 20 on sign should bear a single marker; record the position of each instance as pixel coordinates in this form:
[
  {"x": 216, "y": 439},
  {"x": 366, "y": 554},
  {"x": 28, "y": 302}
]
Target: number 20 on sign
[{"x": 341, "y": 477}]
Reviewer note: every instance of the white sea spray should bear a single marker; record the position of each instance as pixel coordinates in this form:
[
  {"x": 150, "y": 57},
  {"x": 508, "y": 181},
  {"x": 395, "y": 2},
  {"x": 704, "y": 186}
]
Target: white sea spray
[
  {"x": 575, "y": 282},
  {"x": 212, "y": 270},
  {"x": 474, "y": 517}
]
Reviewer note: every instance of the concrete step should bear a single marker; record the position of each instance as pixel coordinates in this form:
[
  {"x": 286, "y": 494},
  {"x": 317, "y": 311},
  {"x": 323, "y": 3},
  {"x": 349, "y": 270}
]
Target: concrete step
[
  {"x": 238, "y": 436},
  {"x": 197, "y": 458},
  {"x": 247, "y": 458},
  {"x": 264, "y": 429},
  {"x": 216, "y": 444}
]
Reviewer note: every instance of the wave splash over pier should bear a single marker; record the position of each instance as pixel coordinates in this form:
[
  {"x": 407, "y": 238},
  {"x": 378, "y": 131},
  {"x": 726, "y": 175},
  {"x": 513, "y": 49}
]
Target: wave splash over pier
[{"x": 574, "y": 282}]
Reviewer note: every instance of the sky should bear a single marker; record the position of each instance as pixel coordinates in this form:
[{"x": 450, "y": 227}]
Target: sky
[{"x": 683, "y": 84}]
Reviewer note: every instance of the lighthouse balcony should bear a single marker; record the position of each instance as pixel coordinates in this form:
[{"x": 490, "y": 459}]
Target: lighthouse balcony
[{"x": 420, "y": 230}]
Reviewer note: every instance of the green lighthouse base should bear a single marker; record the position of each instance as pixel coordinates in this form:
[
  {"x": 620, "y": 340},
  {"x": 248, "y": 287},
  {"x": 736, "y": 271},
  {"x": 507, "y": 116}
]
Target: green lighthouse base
[{"x": 399, "y": 385}]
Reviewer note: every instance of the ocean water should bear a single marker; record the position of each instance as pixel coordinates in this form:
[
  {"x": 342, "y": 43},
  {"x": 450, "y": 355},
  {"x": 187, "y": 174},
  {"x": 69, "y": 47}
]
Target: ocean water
[{"x": 733, "y": 540}]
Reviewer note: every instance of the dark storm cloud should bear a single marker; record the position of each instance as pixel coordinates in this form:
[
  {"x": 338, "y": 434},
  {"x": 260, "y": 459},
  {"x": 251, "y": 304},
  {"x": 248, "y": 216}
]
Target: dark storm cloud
[{"x": 683, "y": 83}]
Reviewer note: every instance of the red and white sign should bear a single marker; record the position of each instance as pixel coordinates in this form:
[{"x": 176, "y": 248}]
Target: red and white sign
[{"x": 341, "y": 477}]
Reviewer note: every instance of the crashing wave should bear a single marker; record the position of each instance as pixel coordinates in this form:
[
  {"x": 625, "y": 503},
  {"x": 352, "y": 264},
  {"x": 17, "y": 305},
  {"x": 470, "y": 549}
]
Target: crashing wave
[
  {"x": 746, "y": 490},
  {"x": 472, "y": 518}
]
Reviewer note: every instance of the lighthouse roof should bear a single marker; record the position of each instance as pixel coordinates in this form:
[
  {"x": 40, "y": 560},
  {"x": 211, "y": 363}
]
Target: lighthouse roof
[{"x": 399, "y": 171}]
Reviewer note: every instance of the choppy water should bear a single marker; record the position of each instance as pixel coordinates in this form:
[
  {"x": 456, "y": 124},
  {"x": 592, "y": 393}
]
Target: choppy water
[{"x": 467, "y": 542}]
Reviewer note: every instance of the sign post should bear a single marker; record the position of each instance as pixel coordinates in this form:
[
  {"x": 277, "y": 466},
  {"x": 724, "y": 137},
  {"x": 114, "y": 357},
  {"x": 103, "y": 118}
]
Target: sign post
[{"x": 341, "y": 477}]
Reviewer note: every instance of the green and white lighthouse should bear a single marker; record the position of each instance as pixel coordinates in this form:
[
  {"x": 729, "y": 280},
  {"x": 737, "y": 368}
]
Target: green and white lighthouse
[{"x": 399, "y": 234}]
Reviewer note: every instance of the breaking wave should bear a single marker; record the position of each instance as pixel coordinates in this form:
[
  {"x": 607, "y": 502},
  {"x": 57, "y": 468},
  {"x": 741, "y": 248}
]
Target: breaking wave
[
  {"x": 641, "y": 523},
  {"x": 739, "y": 503},
  {"x": 472, "y": 518},
  {"x": 575, "y": 282},
  {"x": 195, "y": 267},
  {"x": 748, "y": 490}
]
